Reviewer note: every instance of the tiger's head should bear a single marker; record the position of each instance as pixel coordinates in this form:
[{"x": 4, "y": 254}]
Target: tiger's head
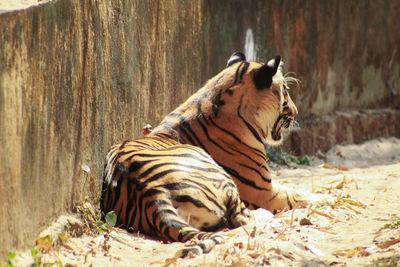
[{"x": 255, "y": 94}]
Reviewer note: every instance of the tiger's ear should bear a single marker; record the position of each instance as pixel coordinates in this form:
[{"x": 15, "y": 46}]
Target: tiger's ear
[
  {"x": 236, "y": 57},
  {"x": 263, "y": 76}
]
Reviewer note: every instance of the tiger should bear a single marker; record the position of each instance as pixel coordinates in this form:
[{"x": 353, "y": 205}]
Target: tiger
[
  {"x": 233, "y": 117},
  {"x": 205, "y": 165}
]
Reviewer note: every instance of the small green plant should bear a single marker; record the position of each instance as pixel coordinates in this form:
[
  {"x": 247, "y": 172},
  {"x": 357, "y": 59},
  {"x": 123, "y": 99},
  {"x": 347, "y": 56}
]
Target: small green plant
[
  {"x": 394, "y": 224},
  {"x": 93, "y": 221},
  {"x": 284, "y": 158},
  {"x": 35, "y": 257},
  {"x": 111, "y": 218},
  {"x": 10, "y": 260}
]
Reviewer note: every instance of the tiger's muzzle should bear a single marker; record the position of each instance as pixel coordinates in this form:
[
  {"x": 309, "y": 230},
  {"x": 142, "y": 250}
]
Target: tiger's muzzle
[{"x": 284, "y": 121}]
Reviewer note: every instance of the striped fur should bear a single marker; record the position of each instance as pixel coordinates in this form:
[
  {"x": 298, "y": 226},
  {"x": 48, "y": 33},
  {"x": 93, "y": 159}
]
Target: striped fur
[
  {"x": 159, "y": 186},
  {"x": 184, "y": 179}
]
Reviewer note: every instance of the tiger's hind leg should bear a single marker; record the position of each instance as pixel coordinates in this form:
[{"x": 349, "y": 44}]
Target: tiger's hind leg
[
  {"x": 238, "y": 214},
  {"x": 173, "y": 227}
]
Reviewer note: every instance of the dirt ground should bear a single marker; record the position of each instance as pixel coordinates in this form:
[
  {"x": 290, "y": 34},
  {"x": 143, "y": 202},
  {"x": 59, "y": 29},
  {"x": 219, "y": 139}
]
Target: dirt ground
[{"x": 361, "y": 229}]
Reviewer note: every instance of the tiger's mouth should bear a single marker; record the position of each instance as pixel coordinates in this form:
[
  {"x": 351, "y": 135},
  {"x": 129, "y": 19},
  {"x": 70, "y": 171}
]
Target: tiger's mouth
[{"x": 283, "y": 122}]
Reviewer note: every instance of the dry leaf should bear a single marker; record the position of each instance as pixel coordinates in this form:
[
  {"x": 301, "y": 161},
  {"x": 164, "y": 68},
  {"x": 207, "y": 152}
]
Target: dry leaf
[
  {"x": 353, "y": 202},
  {"x": 349, "y": 253},
  {"x": 280, "y": 237},
  {"x": 321, "y": 213},
  {"x": 45, "y": 243},
  {"x": 305, "y": 221},
  {"x": 341, "y": 183},
  {"x": 254, "y": 254},
  {"x": 327, "y": 166},
  {"x": 326, "y": 231},
  {"x": 388, "y": 243},
  {"x": 341, "y": 168}
]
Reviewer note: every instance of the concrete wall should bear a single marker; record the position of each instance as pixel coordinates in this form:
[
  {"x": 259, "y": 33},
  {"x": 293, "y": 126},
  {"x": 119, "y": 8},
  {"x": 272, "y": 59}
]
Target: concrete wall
[{"x": 79, "y": 75}]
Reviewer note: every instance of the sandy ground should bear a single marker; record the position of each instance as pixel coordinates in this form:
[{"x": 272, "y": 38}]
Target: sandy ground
[
  {"x": 364, "y": 180},
  {"x": 9, "y": 5}
]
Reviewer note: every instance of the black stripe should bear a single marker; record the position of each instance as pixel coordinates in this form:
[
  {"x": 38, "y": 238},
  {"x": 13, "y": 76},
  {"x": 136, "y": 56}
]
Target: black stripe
[
  {"x": 242, "y": 179},
  {"x": 188, "y": 234},
  {"x": 200, "y": 113},
  {"x": 210, "y": 139},
  {"x": 245, "y": 67},
  {"x": 111, "y": 193},
  {"x": 119, "y": 196},
  {"x": 188, "y": 137},
  {"x": 158, "y": 202},
  {"x": 177, "y": 186},
  {"x": 166, "y": 172},
  {"x": 156, "y": 176},
  {"x": 176, "y": 164},
  {"x": 162, "y": 212},
  {"x": 169, "y": 223},
  {"x": 262, "y": 165},
  {"x": 170, "y": 132},
  {"x": 174, "y": 135},
  {"x": 180, "y": 155},
  {"x": 237, "y": 73},
  {"x": 255, "y": 206},
  {"x": 201, "y": 185},
  {"x": 256, "y": 171},
  {"x": 204, "y": 178},
  {"x": 159, "y": 210},
  {"x": 142, "y": 208},
  {"x": 186, "y": 198},
  {"x": 143, "y": 142},
  {"x": 217, "y": 80},
  {"x": 149, "y": 193},
  {"x": 252, "y": 130},
  {"x": 113, "y": 157},
  {"x": 123, "y": 144},
  {"x": 131, "y": 205},
  {"x": 228, "y": 185},
  {"x": 189, "y": 128},
  {"x": 229, "y": 91},
  {"x": 241, "y": 142},
  {"x": 274, "y": 196},
  {"x": 217, "y": 102},
  {"x": 136, "y": 165},
  {"x": 180, "y": 186},
  {"x": 183, "y": 122}
]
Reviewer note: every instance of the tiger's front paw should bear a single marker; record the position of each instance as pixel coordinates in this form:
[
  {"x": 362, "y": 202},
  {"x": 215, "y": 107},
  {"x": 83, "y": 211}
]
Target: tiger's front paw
[
  {"x": 320, "y": 200},
  {"x": 302, "y": 199},
  {"x": 287, "y": 198}
]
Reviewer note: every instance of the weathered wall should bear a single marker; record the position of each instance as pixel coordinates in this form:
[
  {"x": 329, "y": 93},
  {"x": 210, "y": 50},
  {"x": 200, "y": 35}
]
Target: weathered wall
[{"x": 77, "y": 76}]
